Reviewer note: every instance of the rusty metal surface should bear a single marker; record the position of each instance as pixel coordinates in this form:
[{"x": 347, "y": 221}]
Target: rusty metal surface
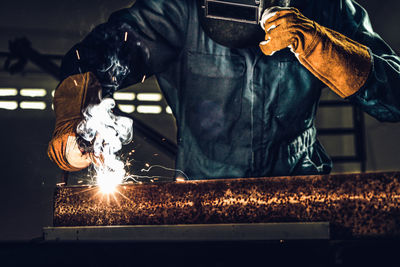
[{"x": 354, "y": 204}]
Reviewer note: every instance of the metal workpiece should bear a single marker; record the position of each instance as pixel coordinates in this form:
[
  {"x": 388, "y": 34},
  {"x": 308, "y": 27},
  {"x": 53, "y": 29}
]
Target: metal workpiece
[{"x": 355, "y": 205}]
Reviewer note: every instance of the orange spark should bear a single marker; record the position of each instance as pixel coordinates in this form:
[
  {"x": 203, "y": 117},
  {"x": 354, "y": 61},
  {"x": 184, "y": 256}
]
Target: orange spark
[{"x": 77, "y": 54}]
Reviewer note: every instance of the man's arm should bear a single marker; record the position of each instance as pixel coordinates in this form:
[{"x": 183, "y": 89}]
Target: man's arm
[
  {"x": 346, "y": 54},
  {"x": 135, "y": 42},
  {"x": 380, "y": 96},
  {"x": 141, "y": 40}
]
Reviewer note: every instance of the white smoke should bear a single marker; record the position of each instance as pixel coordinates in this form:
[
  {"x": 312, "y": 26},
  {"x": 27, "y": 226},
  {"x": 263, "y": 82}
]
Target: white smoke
[{"x": 107, "y": 132}]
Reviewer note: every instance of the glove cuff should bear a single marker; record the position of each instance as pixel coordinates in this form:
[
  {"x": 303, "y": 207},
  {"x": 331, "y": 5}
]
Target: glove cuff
[{"x": 341, "y": 63}]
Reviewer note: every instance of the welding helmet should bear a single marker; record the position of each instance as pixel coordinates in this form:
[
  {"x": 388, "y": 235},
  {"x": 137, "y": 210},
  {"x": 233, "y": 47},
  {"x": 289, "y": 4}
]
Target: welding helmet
[{"x": 235, "y": 23}]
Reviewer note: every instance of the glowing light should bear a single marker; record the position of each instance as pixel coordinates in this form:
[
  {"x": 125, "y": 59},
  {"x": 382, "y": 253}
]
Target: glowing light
[
  {"x": 180, "y": 179},
  {"x": 107, "y": 182},
  {"x": 149, "y": 97},
  {"x": 126, "y": 36},
  {"x": 124, "y": 96},
  {"x": 32, "y": 105},
  {"x": 144, "y": 78},
  {"x": 149, "y": 109},
  {"x": 9, "y": 105},
  {"x": 127, "y": 108},
  {"x": 75, "y": 82},
  {"x": 53, "y": 92},
  {"x": 32, "y": 92},
  {"x": 77, "y": 54},
  {"x": 168, "y": 110},
  {"x": 8, "y": 92}
]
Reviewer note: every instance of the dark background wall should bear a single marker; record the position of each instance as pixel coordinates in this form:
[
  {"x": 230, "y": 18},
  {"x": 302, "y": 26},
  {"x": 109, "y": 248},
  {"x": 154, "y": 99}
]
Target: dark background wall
[{"x": 28, "y": 178}]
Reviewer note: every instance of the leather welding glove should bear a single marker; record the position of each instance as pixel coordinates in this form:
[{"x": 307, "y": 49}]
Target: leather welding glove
[
  {"x": 70, "y": 98},
  {"x": 341, "y": 63}
]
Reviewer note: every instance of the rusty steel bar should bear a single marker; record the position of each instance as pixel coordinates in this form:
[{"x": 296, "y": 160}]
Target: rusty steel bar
[{"x": 356, "y": 205}]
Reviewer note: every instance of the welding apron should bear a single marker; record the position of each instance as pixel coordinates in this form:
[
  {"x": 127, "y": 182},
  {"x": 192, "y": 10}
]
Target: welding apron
[{"x": 242, "y": 114}]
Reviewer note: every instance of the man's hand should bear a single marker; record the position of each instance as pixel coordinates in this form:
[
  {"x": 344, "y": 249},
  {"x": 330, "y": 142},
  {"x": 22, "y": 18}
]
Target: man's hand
[
  {"x": 285, "y": 27},
  {"x": 339, "y": 62},
  {"x": 71, "y": 97},
  {"x": 74, "y": 154}
]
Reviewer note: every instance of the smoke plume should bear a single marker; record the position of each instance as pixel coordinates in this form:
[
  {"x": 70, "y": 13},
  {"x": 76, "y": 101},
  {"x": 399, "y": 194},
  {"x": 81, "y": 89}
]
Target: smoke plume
[{"x": 107, "y": 133}]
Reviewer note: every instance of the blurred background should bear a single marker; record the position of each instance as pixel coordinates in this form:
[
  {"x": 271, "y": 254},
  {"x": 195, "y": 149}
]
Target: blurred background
[{"x": 356, "y": 141}]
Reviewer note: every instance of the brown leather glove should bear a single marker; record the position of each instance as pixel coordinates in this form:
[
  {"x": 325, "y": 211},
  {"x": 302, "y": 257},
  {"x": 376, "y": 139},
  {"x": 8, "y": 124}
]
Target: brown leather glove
[
  {"x": 341, "y": 63},
  {"x": 70, "y": 98}
]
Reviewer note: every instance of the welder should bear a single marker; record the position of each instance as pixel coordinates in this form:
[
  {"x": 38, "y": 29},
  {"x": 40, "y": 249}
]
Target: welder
[{"x": 242, "y": 77}]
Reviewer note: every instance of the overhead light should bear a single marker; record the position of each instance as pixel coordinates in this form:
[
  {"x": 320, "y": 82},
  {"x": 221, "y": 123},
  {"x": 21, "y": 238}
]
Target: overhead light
[
  {"x": 9, "y": 105},
  {"x": 124, "y": 96},
  {"x": 127, "y": 108},
  {"x": 31, "y": 92},
  {"x": 8, "y": 92},
  {"x": 149, "y": 97},
  {"x": 149, "y": 109},
  {"x": 168, "y": 110},
  {"x": 32, "y": 105}
]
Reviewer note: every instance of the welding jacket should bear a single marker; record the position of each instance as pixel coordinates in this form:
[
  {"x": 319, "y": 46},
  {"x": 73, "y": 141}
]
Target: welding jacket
[{"x": 239, "y": 113}]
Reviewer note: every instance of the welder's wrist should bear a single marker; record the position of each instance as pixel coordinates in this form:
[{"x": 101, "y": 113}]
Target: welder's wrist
[
  {"x": 75, "y": 156},
  {"x": 310, "y": 43},
  {"x": 339, "y": 62}
]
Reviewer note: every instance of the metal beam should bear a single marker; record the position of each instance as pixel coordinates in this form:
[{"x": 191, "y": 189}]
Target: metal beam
[{"x": 192, "y": 232}]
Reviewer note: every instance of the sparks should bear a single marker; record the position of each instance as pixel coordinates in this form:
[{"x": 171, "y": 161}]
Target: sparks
[
  {"x": 126, "y": 36},
  {"x": 77, "y": 54},
  {"x": 144, "y": 78},
  {"x": 76, "y": 84},
  {"x": 182, "y": 175}
]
